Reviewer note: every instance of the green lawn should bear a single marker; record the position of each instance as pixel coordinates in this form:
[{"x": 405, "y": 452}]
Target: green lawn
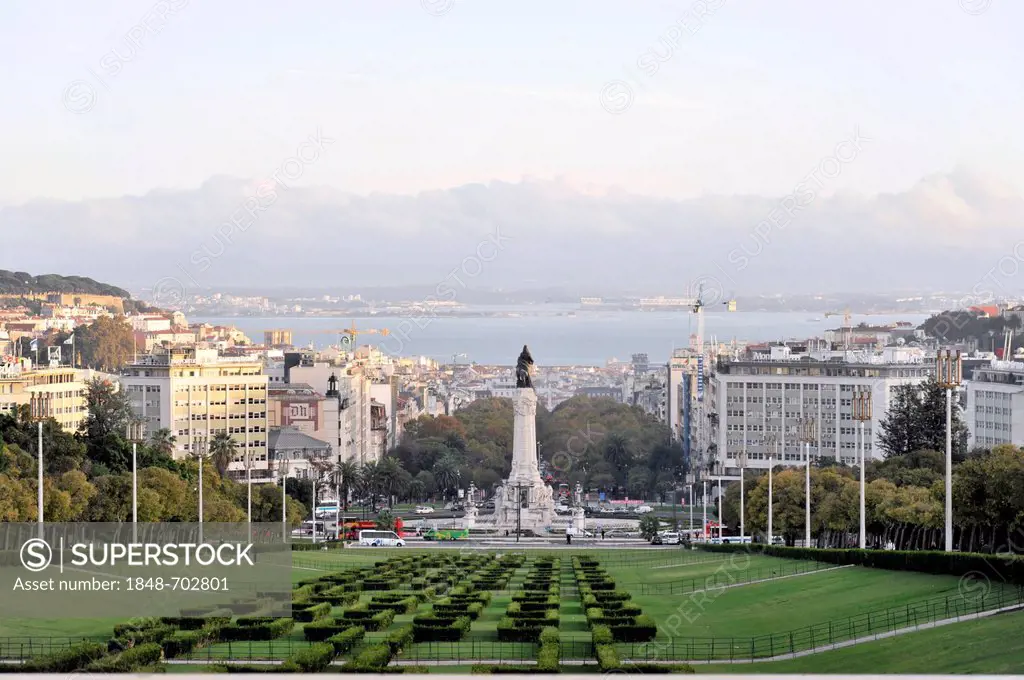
[{"x": 993, "y": 645}]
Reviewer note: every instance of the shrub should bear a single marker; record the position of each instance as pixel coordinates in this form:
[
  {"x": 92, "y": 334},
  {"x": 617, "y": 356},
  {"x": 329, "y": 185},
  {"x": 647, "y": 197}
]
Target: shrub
[
  {"x": 370, "y": 659},
  {"x": 346, "y": 640},
  {"x": 607, "y": 658},
  {"x": 550, "y": 651},
  {"x": 438, "y": 630},
  {"x": 66, "y": 660},
  {"x": 602, "y": 635},
  {"x": 314, "y": 659},
  {"x": 641, "y": 629},
  {"x": 312, "y": 613},
  {"x": 185, "y": 641},
  {"x": 397, "y": 639},
  {"x": 128, "y": 661},
  {"x": 271, "y": 629},
  {"x": 319, "y": 631}
]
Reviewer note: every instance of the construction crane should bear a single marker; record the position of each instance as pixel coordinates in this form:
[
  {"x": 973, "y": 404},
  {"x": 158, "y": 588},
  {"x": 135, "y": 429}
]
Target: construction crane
[
  {"x": 847, "y": 326},
  {"x": 350, "y": 335}
]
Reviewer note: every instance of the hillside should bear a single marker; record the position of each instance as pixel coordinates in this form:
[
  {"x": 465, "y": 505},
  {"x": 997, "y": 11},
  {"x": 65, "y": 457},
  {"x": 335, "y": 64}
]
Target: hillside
[{"x": 21, "y": 283}]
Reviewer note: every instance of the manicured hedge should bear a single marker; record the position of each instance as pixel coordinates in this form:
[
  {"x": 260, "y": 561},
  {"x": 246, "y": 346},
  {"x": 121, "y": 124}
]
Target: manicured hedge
[
  {"x": 438, "y": 630},
  {"x": 315, "y": 659},
  {"x": 312, "y": 613},
  {"x": 320, "y": 631},
  {"x": 128, "y": 661},
  {"x": 346, "y": 640},
  {"x": 641, "y": 630},
  {"x": 371, "y": 659},
  {"x": 397, "y": 639},
  {"x": 271, "y": 629},
  {"x": 607, "y": 658},
  {"x": 185, "y": 641},
  {"x": 66, "y": 660},
  {"x": 549, "y": 654},
  {"x": 1010, "y": 568}
]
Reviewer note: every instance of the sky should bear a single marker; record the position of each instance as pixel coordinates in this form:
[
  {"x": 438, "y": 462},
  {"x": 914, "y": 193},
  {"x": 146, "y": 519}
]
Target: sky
[
  {"x": 439, "y": 93},
  {"x": 645, "y": 143}
]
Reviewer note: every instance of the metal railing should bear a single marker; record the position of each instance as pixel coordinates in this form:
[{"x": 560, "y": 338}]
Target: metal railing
[
  {"x": 22, "y": 648},
  {"x": 911, "y": 615}
]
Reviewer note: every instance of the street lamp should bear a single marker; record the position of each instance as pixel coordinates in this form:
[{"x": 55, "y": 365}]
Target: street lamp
[
  {"x": 40, "y": 481},
  {"x": 948, "y": 374},
  {"x": 772, "y": 440},
  {"x": 200, "y": 454},
  {"x": 135, "y": 433},
  {"x": 808, "y": 434},
  {"x": 862, "y": 414},
  {"x": 743, "y": 467}
]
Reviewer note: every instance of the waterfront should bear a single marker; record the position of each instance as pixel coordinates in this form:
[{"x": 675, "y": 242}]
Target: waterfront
[{"x": 588, "y": 338}]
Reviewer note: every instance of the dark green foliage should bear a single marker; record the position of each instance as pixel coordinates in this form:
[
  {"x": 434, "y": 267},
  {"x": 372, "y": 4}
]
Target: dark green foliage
[
  {"x": 258, "y": 630},
  {"x": 347, "y": 639},
  {"x": 66, "y": 660},
  {"x": 129, "y": 661},
  {"x": 314, "y": 659},
  {"x": 370, "y": 659}
]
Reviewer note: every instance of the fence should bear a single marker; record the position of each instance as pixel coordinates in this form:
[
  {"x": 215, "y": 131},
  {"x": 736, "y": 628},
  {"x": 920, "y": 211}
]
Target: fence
[
  {"x": 821, "y": 635},
  {"x": 726, "y": 577},
  {"x": 22, "y": 648}
]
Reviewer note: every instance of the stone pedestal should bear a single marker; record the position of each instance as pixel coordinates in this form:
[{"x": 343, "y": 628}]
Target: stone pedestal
[
  {"x": 524, "y": 499},
  {"x": 579, "y": 520}
]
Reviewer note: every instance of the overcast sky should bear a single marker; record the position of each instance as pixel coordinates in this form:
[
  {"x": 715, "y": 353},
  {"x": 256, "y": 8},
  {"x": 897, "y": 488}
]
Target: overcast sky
[{"x": 438, "y": 93}]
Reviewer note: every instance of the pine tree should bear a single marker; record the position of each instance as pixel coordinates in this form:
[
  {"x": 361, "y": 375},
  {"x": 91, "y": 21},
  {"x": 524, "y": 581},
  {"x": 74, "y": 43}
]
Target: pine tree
[{"x": 916, "y": 420}]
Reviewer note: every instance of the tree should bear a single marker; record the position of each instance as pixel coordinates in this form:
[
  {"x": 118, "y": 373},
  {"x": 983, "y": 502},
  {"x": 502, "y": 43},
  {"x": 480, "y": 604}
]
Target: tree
[
  {"x": 916, "y": 419},
  {"x": 106, "y": 345},
  {"x": 446, "y": 474},
  {"x": 109, "y": 410},
  {"x": 163, "y": 441},
  {"x": 223, "y": 450},
  {"x": 346, "y": 478},
  {"x": 649, "y": 526},
  {"x": 386, "y": 521}
]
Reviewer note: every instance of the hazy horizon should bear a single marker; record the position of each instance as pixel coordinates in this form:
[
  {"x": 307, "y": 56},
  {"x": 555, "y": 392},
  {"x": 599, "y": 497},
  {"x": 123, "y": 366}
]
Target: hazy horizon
[{"x": 603, "y": 147}]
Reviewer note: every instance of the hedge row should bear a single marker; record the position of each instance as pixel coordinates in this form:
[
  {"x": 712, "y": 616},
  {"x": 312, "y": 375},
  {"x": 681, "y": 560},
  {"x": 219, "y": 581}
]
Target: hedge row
[
  {"x": 314, "y": 659},
  {"x": 610, "y": 612},
  {"x": 437, "y": 629},
  {"x": 549, "y": 655},
  {"x": 1008, "y": 567},
  {"x": 129, "y": 661}
]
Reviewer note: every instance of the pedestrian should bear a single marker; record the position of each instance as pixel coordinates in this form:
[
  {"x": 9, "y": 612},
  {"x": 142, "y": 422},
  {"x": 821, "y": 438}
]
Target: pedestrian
[{"x": 602, "y": 533}]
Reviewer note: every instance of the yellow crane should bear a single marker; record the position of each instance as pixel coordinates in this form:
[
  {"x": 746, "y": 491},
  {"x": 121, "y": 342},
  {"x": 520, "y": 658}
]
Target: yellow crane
[
  {"x": 847, "y": 326},
  {"x": 349, "y": 335}
]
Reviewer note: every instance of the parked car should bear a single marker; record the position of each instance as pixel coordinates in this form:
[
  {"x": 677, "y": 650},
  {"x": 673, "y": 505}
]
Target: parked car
[
  {"x": 424, "y": 510},
  {"x": 643, "y": 509},
  {"x": 668, "y": 538}
]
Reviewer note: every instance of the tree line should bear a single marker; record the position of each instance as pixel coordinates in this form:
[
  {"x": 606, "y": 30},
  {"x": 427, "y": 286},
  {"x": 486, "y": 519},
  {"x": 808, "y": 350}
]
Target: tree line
[
  {"x": 904, "y": 492},
  {"x": 87, "y": 474}
]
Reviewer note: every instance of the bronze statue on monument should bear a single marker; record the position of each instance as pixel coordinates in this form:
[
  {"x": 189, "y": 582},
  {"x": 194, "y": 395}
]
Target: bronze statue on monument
[{"x": 524, "y": 369}]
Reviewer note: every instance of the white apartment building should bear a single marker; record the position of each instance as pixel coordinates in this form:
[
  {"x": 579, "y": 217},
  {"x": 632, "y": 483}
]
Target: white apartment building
[
  {"x": 352, "y": 411},
  {"x": 763, "y": 399},
  {"x": 196, "y": 393},
  {"x": 57, "y": 392},
  {"x": 995, "y": 404}
]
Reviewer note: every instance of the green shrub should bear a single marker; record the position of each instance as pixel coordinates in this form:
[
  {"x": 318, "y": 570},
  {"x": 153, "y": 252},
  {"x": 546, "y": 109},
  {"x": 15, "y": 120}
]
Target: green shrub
[
  {"x": 346, "y": 640},
  {"x": 371, "y": 659},
  {"x": 270, "y": 629},
  {"x": 607, "y": 658},
  {"x": 642, "y": 629},
  {"x": 397, "y": 639},
  {"x": 312, "y": 613},
  {"x": 315, "y": 659},
  {"x": 243, "y": 668},
  {"x": 602, "y": 635},
  {"x": 136, "y": 624},
  {"x": 185, "y": 641},
  {"x": 128, "y": 661},
  {"x": 66, "y": 660},
  {"x": 319, "y": 631},
  {"x": 429, "y": 629}
]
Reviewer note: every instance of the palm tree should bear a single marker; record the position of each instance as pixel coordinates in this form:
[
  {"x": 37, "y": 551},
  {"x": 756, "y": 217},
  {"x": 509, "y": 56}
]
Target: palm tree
[
  {"x": 446, "y": 473},
  {"x": 222, "y": 451},
  {"x": 346, "y": 478},
  {"x": 163, "y": 441},
  {"x": 617, "y": 451}
]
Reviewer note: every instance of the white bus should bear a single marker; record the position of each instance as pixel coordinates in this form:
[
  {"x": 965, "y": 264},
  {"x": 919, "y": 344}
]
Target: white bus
[{"x": 374, "y": 537}]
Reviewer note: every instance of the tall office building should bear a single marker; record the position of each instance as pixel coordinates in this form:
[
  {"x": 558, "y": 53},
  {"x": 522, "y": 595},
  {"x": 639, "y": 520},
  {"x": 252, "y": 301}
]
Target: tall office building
[
  {"x": 196, "y": 393},
  {"x": 995, "y": 404},
  {"x": 765, "y": 398}
]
